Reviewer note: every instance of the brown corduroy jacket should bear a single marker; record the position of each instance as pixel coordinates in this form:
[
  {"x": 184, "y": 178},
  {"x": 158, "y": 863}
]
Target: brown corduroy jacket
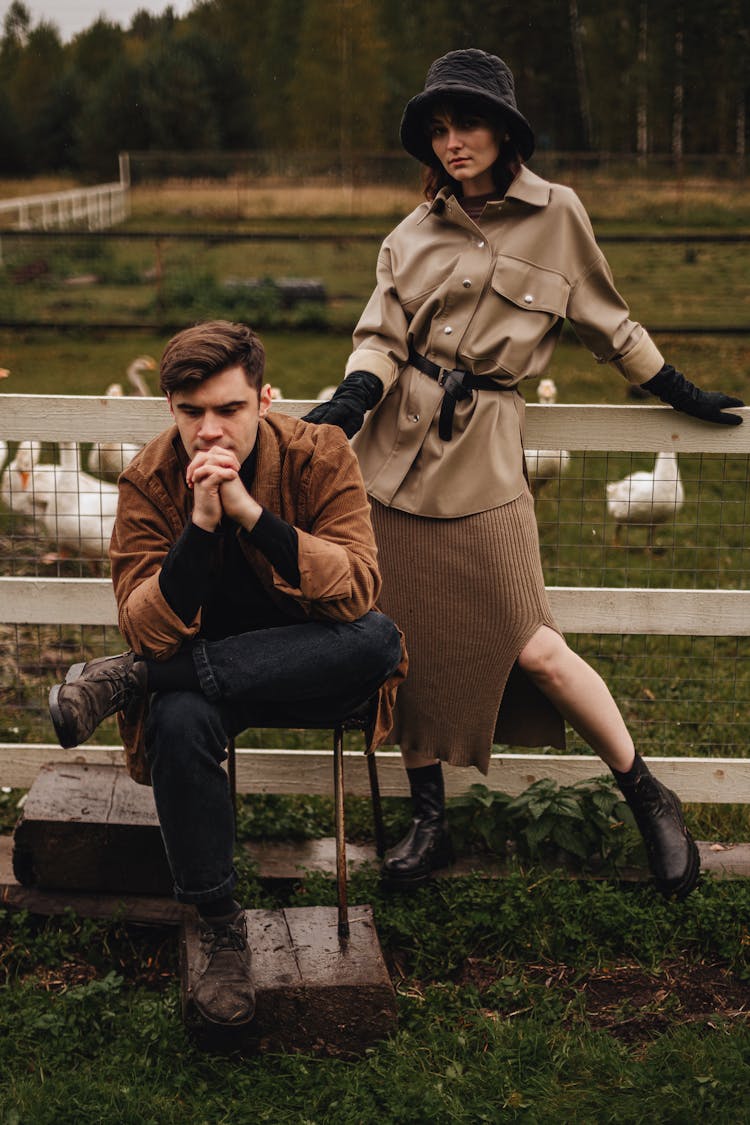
[
  {"x": 306, "y": 475},
  {"x": 490, "y": 299}
]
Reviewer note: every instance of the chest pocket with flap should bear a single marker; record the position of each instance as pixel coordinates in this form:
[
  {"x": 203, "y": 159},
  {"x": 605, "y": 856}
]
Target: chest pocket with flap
[{"x": 529, "y": 287}]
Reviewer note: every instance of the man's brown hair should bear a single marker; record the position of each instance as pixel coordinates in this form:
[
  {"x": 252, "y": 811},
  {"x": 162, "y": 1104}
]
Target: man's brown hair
[{"x": 207, "y": 349}]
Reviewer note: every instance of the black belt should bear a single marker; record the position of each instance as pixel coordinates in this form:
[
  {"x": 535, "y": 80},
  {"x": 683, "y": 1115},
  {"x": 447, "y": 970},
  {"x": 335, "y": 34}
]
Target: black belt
[{"x": 457, "y": 386}]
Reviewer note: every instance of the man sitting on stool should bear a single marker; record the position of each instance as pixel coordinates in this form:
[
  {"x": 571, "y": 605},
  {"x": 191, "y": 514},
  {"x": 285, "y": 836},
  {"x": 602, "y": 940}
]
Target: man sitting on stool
[{"x": 244, "y": 568}]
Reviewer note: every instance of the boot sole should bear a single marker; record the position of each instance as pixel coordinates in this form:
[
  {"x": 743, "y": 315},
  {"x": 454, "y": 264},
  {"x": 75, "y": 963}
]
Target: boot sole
[
  {"x": 412, "y": 882},
  {"x": 65, "y": 736}
]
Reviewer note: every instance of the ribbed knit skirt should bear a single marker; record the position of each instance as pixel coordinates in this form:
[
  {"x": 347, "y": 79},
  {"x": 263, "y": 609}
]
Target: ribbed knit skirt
[{"x": 468, "y": 594}]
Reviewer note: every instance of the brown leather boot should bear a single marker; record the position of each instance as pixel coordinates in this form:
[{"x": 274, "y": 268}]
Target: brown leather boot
[
  {"x": 92, "y": 692},
  {"x": 224, "y": 991}
]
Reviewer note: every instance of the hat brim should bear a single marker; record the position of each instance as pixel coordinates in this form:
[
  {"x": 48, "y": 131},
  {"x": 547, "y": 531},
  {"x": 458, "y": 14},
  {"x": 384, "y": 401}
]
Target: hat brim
[{"x": 413, "y": 129}]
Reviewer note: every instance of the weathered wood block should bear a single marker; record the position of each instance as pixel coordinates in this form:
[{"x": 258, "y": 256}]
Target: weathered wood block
[
  {"x": 90, "y": 828},
  {"x": 314, "y": 992}
]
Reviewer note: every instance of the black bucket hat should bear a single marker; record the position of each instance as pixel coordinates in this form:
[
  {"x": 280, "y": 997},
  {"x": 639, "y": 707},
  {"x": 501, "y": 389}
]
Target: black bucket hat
[{"x": 467, "y": 74}]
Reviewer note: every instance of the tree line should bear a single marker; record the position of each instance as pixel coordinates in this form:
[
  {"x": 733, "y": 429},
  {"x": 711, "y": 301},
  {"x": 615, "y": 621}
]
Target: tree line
[{"x": 640, "y": 76}]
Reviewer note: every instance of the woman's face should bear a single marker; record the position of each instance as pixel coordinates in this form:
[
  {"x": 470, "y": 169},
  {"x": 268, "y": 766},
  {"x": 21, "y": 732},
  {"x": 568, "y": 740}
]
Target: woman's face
[{"x": 467, "y": 145}]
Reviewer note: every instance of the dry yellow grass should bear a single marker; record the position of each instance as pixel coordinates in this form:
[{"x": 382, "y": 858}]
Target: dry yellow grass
[
  {"x": 37, "y": 185},
  {"x": 605, "y": 196},
  {"x": 272, "y": 198},
  {"x": 612, "y": 197}
]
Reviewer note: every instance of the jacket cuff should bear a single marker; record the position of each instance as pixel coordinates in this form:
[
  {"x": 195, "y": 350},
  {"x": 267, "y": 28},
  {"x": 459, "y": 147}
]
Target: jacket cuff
[
  {"x": 642, "y": 362},
  {"x": 368, "y": 359}
]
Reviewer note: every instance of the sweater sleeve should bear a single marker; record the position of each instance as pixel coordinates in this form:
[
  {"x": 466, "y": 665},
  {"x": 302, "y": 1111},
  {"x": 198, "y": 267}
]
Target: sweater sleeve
[
  {"x": 189, "y": 571},
  {"x": 278, "y": 541}
]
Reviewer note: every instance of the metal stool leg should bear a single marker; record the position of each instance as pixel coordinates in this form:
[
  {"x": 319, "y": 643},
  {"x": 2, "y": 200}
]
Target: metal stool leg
[
  {"x": 338, "y": 796},
  {"x": 377, "y": 807},
  {"x": 232, "y": 772}
]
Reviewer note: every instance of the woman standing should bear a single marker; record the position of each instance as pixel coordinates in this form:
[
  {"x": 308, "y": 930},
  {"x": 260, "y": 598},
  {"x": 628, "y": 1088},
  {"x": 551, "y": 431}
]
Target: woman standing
[{"x": 472, "y": 291}]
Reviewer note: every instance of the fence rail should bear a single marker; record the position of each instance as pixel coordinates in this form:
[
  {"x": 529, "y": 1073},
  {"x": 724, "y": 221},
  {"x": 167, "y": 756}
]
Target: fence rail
[
  {"x": 652, "y": 611},
  {"x": 96, "y": 208}
]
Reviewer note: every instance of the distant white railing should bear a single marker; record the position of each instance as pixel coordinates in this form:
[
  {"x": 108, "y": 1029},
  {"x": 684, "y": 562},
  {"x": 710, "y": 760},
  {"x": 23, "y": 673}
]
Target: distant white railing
[{"x": 94, "y": 208}]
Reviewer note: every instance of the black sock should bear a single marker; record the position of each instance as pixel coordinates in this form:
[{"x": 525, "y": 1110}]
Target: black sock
[
  {"x": 175, "y": 674},
  {"x": 218, "y": 906}
]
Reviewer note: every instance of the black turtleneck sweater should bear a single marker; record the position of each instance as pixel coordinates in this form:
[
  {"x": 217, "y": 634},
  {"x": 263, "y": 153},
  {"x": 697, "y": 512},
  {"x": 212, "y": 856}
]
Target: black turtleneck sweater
[{"x": 207, "y": 570}]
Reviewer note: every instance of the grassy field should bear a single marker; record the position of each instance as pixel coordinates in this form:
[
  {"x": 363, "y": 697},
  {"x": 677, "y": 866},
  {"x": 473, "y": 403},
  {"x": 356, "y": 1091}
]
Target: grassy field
[{"x": 533, "y": 998}]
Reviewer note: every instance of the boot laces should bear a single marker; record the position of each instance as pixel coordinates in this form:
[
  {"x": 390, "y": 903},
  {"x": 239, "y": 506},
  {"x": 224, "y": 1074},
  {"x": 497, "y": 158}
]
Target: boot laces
[
  {"x": 229, "y": 936},
  {"x": 121, "y": 685}
]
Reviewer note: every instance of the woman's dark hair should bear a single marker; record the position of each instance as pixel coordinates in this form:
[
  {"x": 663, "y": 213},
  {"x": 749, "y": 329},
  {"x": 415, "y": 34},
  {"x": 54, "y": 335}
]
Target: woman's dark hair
[
  {"x": 505, "y": 168},
  {"x": 207, "y": 349}
]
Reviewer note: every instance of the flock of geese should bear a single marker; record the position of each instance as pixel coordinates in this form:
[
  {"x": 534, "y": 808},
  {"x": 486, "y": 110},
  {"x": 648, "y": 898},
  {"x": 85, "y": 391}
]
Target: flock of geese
[{"x": 74, "y": 508}]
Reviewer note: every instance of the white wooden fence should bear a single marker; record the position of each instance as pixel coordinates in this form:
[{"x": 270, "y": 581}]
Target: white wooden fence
[
  {"x": 94, "y": 208},
  {"x": 577, "y": 610}
]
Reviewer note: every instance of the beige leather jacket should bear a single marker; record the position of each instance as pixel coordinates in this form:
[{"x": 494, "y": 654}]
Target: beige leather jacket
[{"x": 490, "y": 299}]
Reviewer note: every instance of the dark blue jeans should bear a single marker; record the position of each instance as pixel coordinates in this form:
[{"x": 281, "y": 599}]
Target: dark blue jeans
[{"x": 301, "y": 673}]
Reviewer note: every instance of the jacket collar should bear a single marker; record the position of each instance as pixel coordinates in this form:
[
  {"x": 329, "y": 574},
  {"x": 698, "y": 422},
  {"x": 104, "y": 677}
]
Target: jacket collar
[{"x": 527, "y": 187}]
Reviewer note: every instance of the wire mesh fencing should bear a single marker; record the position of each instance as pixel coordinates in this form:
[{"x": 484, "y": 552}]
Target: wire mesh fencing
[{"x": 606, "y": 519}]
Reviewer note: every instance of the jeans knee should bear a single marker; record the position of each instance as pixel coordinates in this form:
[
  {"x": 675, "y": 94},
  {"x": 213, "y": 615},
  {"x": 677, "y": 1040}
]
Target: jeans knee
[
  {"x": 179, "y": 724},
  {"x": 383, "y": 642}
]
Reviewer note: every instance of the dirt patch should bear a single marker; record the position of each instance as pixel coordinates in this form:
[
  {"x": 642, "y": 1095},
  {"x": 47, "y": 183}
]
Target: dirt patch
[
  {"x": 146, "y": 957},
  {"x": 634, "y": 1005},
  {"x": 631, "y": 1003}
]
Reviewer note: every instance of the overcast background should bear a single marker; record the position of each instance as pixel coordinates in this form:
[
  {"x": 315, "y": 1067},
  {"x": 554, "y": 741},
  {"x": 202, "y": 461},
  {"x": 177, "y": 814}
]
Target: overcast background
[{"x": 72, "y": 16}]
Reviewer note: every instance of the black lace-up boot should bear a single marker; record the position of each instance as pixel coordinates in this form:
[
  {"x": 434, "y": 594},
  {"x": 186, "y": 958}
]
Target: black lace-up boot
[
  {"x": 426, "y": 847},
  {"x": 672, "y": 853},
  {"x": 92, "y": 692}
]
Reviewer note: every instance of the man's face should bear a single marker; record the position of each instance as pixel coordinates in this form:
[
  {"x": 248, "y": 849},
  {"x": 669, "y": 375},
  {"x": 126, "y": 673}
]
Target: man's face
[{"x": 221, "y": 411}]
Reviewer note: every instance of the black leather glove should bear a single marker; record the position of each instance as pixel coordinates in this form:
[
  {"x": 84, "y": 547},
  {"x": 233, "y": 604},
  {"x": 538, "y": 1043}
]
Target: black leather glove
[
  {"x": 672, "y": 387},
  {"x": 358, "y": 393}
]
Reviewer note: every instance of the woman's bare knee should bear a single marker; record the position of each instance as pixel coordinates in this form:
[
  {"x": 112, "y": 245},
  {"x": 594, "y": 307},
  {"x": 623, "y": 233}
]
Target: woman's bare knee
[{"x": 543, "y": 656}]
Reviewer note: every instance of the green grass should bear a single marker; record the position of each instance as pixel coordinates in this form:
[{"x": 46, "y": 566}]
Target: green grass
[{"x": 497, "y": 1015}]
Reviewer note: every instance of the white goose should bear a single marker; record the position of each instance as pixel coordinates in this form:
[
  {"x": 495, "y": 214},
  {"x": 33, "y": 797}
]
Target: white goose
[
  {"x": 16, "y": 484},
  {"x": 647, "y": 498},
  {"x": 111, "y": 457},
  {"x": 544, "y": 465},
  {"x": 75, "y": 510}
]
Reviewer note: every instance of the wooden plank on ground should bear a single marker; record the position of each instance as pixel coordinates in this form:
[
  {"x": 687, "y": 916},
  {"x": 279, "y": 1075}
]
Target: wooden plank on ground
[
  {"x": 289, "y": 860},
  {"x": 703, "y": 780},
  {"x": 90, "y": 828},
  {"x": 149, "y": 909}
]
